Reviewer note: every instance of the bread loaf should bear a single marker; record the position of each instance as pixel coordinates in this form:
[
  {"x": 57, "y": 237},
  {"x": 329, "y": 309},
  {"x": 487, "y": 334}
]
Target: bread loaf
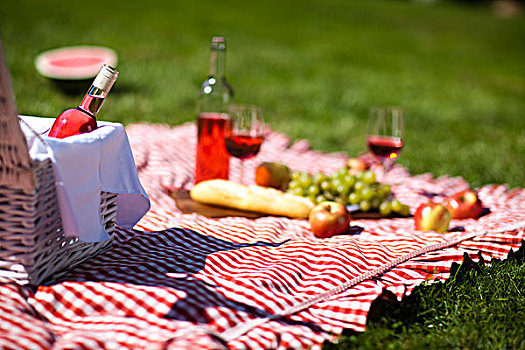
[{"x": 250, "y": 198}]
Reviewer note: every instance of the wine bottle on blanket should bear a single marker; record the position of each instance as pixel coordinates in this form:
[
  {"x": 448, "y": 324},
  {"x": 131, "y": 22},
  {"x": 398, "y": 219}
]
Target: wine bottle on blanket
[{"x": 212, "y": 158}]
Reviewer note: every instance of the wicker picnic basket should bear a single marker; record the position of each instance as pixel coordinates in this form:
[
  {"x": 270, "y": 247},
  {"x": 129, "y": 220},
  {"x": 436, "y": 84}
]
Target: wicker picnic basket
[{"x": 33, "y": 248}]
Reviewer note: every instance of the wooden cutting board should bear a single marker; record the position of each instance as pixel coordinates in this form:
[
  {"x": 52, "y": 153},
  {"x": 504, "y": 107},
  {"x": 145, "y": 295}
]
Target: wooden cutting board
[{"x": 188, "y": 206}]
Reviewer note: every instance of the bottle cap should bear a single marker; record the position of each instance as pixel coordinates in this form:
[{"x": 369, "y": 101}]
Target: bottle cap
[
  {"x": 218, "y": 43},
  {"x": 105, "y": 78}
]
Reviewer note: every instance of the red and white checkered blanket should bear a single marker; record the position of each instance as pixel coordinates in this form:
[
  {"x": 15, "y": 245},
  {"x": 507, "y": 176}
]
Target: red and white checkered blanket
[{"x": 186, "y": 281}]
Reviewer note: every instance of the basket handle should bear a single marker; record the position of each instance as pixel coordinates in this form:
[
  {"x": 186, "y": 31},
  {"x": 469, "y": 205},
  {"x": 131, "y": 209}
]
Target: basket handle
[
  {"x": 34, "y": 132},
  {"x": 15, "y": 163}
]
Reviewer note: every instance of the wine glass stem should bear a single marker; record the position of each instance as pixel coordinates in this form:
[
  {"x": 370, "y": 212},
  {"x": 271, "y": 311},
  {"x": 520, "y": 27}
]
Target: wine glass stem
[
  {"x": 242, "y": 171},
  {"x": 388, "y": 164}
]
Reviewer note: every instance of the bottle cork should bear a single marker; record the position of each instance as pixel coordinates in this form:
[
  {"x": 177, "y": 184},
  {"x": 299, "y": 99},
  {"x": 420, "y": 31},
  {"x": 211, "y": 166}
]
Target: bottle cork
[{"x": 105, "y": 78}]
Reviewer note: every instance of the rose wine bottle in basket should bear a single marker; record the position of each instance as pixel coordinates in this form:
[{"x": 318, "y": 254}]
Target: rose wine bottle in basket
[
  {"x": 82, "y": 119},
  {"x": 212, "y": 159}
]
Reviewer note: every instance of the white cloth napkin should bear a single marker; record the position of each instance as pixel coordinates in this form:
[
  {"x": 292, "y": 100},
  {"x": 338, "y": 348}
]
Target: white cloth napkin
[{"x": 84, "y": 166}]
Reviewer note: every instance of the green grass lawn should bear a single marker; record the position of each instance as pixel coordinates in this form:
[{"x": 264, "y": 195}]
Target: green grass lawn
[
  {"x": 315, "y": 67},
  {"x": 479, "y": 307}
]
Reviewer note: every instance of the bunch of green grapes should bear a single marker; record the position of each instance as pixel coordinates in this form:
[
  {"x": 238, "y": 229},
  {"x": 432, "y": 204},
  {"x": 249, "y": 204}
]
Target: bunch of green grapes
[{"x": 361, "y": 189}]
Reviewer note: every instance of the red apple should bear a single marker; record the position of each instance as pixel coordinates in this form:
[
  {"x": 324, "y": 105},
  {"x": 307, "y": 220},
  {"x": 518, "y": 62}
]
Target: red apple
[
  {"x": 356, "y": 165},
  {"x": 432, "y": 216},
  {"x": 328, "y": 219},
  {"x": 464, "y": 204}
]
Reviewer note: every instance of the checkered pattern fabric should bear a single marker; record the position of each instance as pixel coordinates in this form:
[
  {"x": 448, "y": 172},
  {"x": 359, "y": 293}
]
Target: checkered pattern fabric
[{"x": 185, "y": 281}]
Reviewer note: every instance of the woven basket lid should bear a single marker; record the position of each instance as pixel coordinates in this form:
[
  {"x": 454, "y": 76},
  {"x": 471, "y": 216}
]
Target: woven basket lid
[{"x": 15, "y": 162}]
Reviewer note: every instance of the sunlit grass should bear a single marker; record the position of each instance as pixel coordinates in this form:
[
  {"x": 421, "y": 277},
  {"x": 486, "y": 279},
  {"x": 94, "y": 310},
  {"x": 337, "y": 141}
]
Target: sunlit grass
[
  {"x": 457, "y": 71},
  {"x": 314, "y": 67}
]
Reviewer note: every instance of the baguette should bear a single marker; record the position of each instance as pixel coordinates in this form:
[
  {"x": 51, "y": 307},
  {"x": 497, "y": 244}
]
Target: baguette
[{"x": 254, "y": 198}]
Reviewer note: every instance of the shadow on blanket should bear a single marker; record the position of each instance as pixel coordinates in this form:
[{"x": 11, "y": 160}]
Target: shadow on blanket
[{"x": 173, "y": 259}]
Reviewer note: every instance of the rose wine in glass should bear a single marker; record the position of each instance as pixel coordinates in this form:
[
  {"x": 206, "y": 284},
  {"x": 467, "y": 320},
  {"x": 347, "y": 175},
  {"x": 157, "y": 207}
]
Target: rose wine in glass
[
  {"x": 243, "y": 146},
  {"x": 82, "y": 119},
  {"x": 385, "y": 146},
  {"x": 244, "y": 133},
  {"x": 385, "y": 134},
  {"x": 212, "y": 159}
]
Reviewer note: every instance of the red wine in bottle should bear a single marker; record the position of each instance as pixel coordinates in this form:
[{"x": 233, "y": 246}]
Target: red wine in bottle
[
  {"x": 212, "y": 158},
  {"x": 82, "y": 119}
]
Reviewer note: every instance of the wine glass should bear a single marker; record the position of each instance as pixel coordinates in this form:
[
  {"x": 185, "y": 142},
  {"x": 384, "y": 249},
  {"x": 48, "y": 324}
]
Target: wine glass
[
  {"x": 385, "y": 134},
  {"x": 244, "y": 132}
]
